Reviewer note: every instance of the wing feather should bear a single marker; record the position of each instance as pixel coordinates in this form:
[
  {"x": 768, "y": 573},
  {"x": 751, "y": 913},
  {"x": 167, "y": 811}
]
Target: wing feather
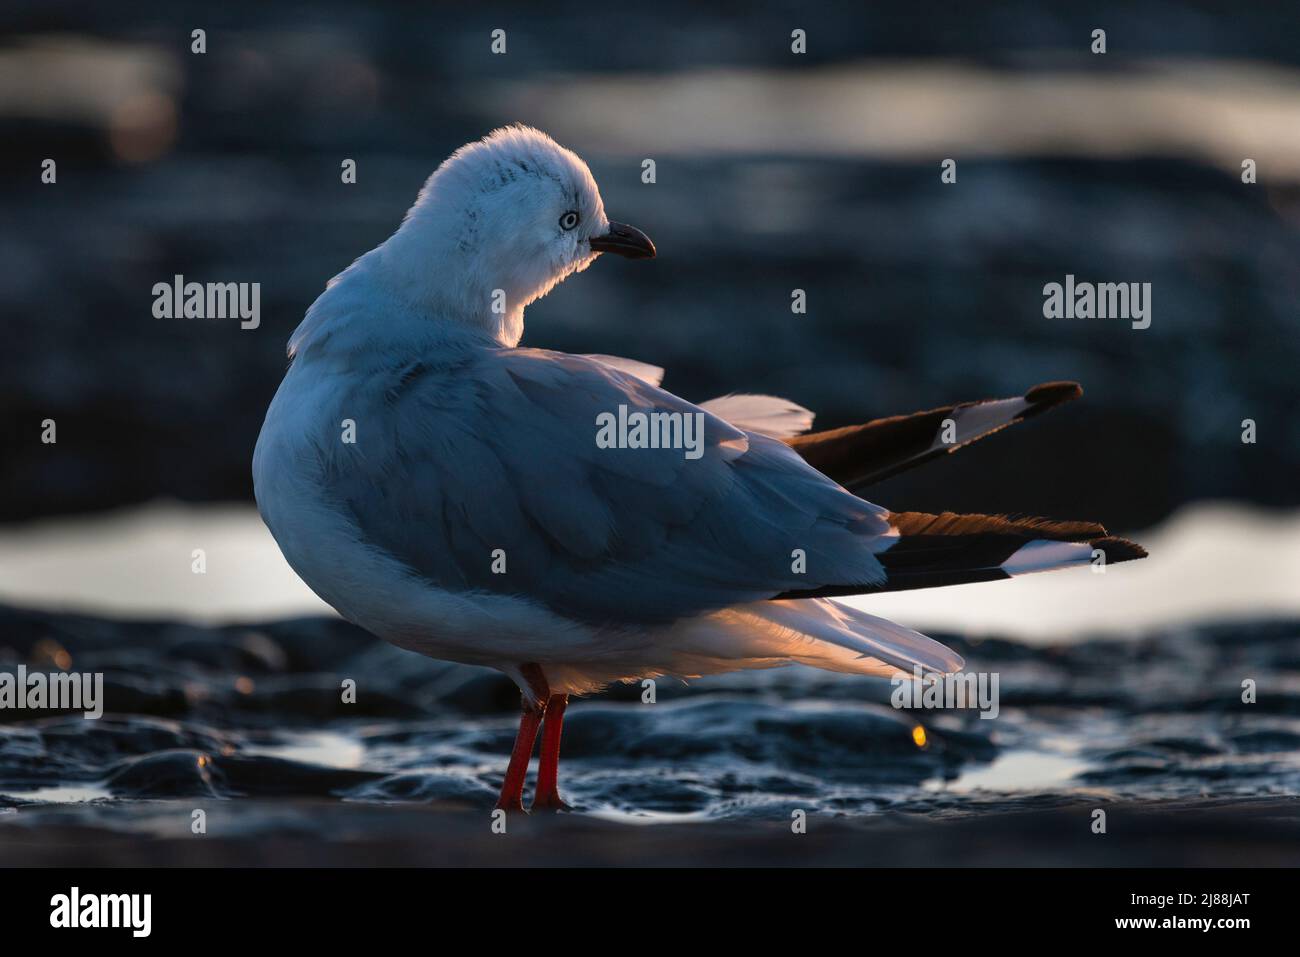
[{"x": 498, "y": 450}]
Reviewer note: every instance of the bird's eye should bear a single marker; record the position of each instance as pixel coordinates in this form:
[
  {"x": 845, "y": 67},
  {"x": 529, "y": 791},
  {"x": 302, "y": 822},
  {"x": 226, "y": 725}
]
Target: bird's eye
[{"x": 569, "y": 220}]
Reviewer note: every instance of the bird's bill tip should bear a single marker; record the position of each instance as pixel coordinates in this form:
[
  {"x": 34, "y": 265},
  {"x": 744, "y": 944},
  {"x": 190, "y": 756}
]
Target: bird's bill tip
[{"x": 624, "y": 240}]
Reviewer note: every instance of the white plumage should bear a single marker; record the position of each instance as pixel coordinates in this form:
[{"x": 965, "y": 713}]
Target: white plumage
[{"x": 472, "y": 455}]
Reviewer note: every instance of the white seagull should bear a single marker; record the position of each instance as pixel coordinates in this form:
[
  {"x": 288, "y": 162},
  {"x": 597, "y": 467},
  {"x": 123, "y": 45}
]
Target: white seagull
[{"x": 471, "y": 500}]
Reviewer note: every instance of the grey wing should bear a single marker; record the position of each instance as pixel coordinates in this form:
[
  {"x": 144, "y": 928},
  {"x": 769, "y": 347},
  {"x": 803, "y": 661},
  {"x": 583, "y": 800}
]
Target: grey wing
[{"x": 488, "y": 475}]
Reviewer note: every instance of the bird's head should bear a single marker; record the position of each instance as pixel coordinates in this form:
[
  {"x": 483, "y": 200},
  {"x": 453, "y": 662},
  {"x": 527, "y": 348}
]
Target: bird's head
[{"x": 498, "y": 225}]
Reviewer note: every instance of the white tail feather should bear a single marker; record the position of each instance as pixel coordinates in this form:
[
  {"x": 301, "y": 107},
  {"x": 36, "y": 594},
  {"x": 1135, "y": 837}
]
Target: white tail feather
[
  {"x": 769, "y": 634},
  {"x": 846, "y": 639},
  {"x": 765, "y": 414}
]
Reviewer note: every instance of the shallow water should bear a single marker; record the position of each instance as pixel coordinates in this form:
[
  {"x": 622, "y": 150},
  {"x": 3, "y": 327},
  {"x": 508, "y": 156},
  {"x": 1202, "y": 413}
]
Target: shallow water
[
  {"x": 245, "y": 713},
  {"x": 124, "y": 563}
]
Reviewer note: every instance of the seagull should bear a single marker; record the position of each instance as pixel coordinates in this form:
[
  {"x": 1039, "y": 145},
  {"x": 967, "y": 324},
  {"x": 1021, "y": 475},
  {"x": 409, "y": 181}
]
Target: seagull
[{"x": 450, "y": 492}]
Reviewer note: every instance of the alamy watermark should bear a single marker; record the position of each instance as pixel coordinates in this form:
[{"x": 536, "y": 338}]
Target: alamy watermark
[
  {"x": 64, "y": 691},
  {"x": 651, "y": 430},
  {"x": 179, "y": 299},
  {"x": 1102, "y": 300},
  {"x": 933, "y": 691},
  {"x": 133, "y": 912}
]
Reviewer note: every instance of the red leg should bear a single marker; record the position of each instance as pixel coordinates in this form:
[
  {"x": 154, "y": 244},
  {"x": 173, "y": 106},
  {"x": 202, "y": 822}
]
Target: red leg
[
  {"x": 512, "y": 788},
  {"x": 547, "y": 797}
]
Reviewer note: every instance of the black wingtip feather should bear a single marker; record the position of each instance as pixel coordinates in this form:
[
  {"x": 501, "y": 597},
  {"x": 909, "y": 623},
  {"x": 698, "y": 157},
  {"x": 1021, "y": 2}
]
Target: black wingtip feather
[
  {"x": 1054, "y": 393},
  {"x": 1048, "y": 395},
  {"x": 934, "y": 550},
  {"x": 1118, "y": 549}
]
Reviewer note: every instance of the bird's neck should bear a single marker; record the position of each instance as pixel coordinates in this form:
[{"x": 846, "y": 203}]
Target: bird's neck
[
  {"x": 448, "y": 278},
  {"x": 363, "y": 320}
]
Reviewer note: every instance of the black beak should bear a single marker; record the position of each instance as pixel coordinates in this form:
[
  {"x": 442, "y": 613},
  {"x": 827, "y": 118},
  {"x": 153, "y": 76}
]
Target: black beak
[{"x": 626, "y": 241}]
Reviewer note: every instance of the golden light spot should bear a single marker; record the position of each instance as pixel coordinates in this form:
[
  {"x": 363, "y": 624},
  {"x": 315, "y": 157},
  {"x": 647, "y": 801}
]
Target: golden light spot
[
  {"x": 47, "y": 649},
  {"x": 918, "y": 735},
  {"x": 203, "y": 760},
  {"x": 244, "y": 684}
]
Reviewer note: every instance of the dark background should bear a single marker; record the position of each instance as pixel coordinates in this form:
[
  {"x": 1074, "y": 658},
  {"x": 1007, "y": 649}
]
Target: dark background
[{"x": 225, "y": 167}]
